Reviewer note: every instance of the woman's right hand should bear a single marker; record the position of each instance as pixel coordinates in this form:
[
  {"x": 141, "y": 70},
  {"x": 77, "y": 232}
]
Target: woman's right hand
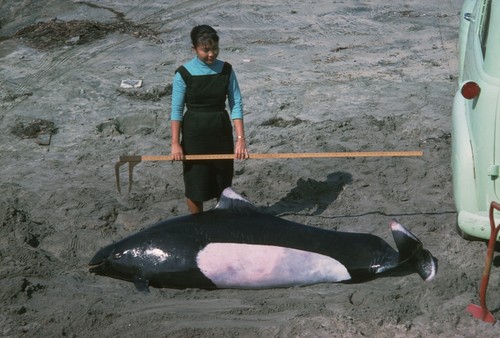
[{"x": 177, "y": 152}]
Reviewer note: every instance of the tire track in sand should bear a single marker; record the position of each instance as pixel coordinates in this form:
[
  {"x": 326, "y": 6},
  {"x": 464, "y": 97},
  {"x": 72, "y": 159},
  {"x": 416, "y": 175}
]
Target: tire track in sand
[{"x": 61, "y": 63}]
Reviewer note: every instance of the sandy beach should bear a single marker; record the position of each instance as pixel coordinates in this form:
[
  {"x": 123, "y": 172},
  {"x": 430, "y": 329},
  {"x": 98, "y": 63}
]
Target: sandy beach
[{"x": 316, "y": 76}]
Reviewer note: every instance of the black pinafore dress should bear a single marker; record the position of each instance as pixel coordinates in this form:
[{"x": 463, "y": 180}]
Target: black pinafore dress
[{"x": 206, "y": 129}]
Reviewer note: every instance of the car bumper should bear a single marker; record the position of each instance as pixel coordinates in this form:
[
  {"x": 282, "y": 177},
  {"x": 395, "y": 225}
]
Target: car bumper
[{"x": 477, "y": 224}]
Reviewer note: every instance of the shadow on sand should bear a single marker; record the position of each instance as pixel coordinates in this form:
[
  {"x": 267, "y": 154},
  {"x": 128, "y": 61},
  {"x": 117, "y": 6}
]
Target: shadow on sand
[{"x": 311, "y": 195}]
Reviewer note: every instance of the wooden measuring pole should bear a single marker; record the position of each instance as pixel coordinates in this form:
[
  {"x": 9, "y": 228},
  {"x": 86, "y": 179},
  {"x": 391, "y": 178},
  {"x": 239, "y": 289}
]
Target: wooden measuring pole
[
  {"x": 141, "y": 158},
  {"x": 133, "y": 160}
]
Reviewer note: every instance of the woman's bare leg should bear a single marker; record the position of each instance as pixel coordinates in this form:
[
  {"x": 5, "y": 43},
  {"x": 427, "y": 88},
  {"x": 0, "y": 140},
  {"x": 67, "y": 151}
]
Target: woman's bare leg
[{"x": 194, "y": 207}]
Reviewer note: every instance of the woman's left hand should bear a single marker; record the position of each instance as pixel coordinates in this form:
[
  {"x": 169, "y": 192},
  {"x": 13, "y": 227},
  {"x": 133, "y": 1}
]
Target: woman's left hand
[{"x": 241, "y": 152}]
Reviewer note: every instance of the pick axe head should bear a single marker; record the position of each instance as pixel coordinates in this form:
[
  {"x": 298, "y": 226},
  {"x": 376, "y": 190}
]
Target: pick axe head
[{"x": 132, "y": 162}]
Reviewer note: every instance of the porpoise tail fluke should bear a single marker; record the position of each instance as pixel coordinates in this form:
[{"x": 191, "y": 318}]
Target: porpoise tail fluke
[{"x": 411, "y": 251}]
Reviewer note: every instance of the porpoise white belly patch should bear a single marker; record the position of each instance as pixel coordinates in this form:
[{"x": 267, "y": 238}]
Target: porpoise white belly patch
[{"x": 235, "y": 265}]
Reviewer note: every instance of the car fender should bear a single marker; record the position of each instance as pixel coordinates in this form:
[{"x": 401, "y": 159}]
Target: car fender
[
  {"x": 467, "y": 7},
  {"x": 464, "y": 181}
]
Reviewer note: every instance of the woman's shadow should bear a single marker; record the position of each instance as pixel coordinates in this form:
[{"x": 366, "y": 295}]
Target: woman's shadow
[{"x": 311, "y": 195}]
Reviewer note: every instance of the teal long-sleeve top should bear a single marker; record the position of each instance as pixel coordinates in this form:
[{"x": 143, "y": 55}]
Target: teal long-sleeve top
[{"x": 198, "y": 67}]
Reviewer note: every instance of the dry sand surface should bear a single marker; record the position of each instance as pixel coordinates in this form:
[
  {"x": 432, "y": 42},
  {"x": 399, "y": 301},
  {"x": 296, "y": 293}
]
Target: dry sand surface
[{"x": 316, "y": 76}]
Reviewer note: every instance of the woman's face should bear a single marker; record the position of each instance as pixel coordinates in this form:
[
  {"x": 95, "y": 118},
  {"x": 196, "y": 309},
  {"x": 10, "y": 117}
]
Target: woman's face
[{"x": 207, "y": 52}]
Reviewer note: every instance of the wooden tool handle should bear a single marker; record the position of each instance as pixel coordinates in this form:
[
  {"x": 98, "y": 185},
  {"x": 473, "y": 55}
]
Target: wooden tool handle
[{"x": 140, "y": 158}]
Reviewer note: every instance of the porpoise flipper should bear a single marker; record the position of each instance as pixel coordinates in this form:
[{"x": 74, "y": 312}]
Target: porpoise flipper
[{"x": 141, "y": 284}]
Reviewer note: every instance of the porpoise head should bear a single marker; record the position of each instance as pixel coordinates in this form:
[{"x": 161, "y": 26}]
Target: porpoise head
[
  {"x": 98, "y": 263},
  {"x": 136, "y": 259},
  {"x": 116, "y": 261}
]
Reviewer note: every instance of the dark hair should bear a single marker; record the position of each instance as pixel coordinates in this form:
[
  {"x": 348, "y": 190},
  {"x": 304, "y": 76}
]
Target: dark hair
[{"x": 204, "y": 34}]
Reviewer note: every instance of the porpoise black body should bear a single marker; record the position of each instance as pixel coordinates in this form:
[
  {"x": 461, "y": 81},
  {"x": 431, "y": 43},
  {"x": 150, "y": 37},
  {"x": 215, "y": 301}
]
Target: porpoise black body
[{"x": 236, "y": 246}]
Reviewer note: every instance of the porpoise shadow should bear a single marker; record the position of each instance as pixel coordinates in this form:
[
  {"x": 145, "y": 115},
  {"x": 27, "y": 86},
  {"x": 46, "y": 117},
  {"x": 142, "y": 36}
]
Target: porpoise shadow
[{"x": 312, "y": 195}]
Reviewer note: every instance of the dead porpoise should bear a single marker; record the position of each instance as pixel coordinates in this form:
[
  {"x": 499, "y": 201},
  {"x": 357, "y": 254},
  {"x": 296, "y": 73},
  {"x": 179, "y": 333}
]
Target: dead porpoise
[{"x": 236, "y": 246}]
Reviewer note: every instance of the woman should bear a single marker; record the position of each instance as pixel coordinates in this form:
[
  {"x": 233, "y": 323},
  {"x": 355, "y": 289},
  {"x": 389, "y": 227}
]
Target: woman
[{"x": 202, "y": 85}]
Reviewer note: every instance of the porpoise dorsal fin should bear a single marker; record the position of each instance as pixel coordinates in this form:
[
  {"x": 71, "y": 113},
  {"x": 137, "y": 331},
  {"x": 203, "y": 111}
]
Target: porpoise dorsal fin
[{"x": 230, "y": 199}]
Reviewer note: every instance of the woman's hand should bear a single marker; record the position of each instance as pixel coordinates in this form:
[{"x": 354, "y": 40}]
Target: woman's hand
[
  {"x": 240, "y": 151},
  {"x": 177, "y": 152}
]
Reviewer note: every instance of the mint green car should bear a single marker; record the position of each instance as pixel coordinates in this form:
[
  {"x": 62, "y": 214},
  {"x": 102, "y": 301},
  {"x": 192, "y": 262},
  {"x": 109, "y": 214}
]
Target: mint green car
[{"x": 476, "y": 119}]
